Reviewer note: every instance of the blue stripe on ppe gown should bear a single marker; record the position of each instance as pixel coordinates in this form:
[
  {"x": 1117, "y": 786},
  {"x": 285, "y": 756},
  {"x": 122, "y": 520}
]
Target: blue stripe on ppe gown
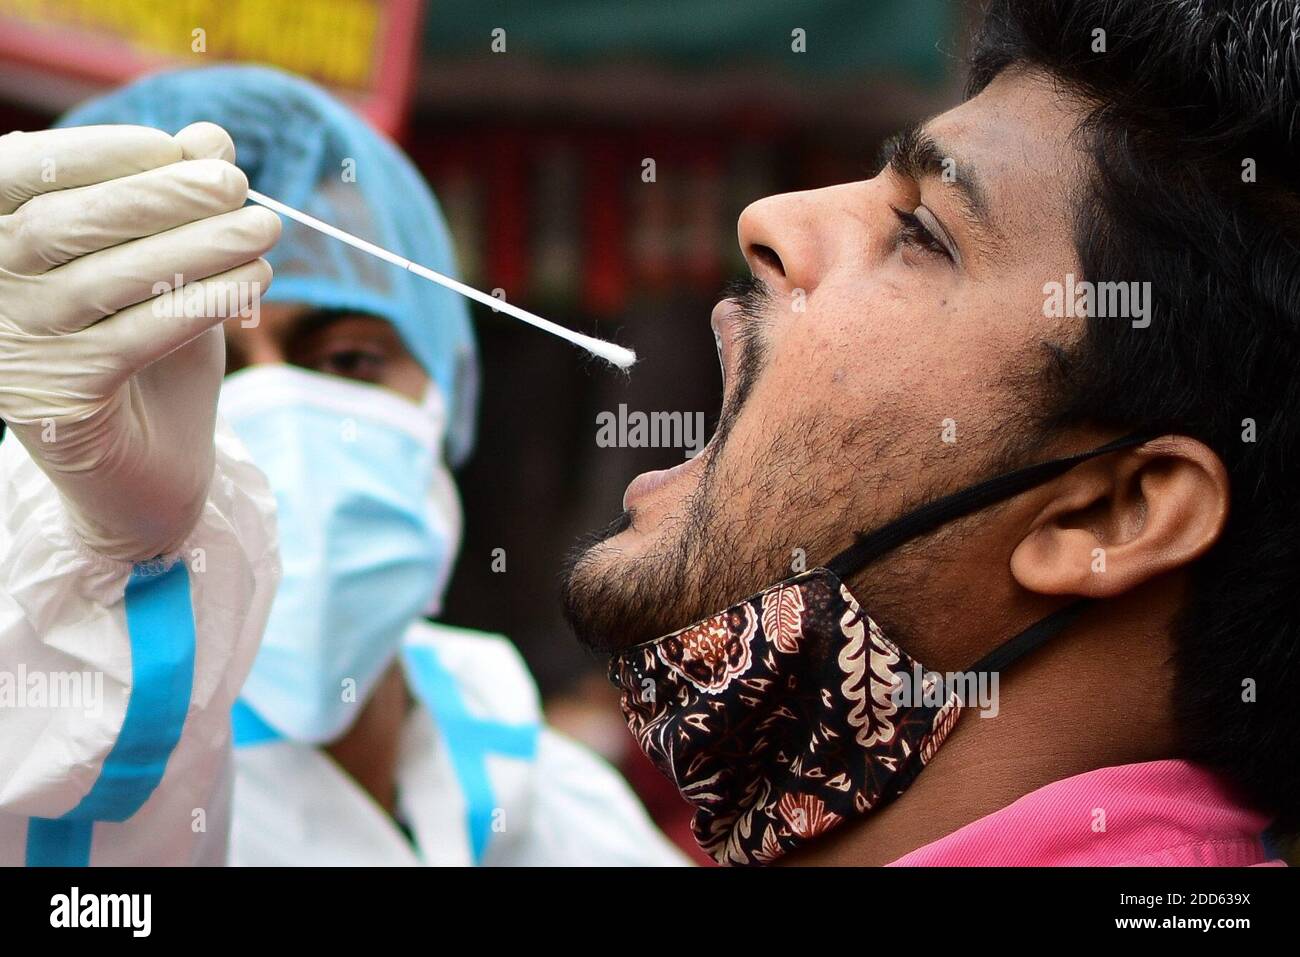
[
  {"x": 160, "y": 621},
  {"x": 469, "y": 739}
]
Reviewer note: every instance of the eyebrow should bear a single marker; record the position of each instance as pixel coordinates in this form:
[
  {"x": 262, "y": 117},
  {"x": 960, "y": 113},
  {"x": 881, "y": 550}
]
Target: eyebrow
[
  {"x": 914, "y": 154},
  {"x": 318, "y": 319},
  {"x": 315, "y": 319}
]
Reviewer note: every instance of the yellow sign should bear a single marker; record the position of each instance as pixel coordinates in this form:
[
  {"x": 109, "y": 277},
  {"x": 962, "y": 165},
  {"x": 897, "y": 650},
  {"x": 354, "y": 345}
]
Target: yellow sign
[{"x": 334, "y": 41}]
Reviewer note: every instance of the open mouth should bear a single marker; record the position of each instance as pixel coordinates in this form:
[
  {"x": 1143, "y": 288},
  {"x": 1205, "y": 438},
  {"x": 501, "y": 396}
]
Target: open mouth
[{"x": 725, "y": 321}]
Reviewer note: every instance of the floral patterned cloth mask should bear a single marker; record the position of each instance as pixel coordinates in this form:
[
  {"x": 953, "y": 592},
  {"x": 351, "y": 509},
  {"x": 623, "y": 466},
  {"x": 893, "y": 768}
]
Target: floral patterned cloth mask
[{"x": 782, "y": 716}]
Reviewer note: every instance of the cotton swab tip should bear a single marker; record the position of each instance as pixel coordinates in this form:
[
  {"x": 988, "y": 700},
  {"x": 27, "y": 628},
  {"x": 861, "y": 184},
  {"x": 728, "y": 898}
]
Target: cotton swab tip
[{"x": 616, "y": 355}]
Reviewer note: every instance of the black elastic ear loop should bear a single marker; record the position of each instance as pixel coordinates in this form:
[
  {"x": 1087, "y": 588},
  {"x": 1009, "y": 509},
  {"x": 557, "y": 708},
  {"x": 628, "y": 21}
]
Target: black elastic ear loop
[
  {"x": 942, "y": 510},
  {"x": 1037, "y": 634}
]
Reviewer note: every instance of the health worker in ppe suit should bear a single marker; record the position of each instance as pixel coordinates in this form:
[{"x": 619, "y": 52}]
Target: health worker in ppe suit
[
  {"x": 365, "y": 734},
  {"x": 137, "y": 555}
]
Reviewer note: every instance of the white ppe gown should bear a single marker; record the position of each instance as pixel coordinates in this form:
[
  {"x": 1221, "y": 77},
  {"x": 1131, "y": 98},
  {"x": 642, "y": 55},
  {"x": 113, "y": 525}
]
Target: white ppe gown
[
  {"x": 481, "y": 780},
  {"x": 117, "y": 680}
]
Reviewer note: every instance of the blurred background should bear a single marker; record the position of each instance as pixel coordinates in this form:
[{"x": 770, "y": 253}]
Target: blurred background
[{"x": 536, "y": 121}]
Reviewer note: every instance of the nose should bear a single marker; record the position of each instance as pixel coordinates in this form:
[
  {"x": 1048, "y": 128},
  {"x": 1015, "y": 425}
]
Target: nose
[{"x": 778, "y": 238}]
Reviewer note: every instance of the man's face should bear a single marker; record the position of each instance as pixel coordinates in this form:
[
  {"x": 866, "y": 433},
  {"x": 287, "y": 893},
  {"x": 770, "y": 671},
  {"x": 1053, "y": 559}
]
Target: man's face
[{"x": 880, "y": 310}]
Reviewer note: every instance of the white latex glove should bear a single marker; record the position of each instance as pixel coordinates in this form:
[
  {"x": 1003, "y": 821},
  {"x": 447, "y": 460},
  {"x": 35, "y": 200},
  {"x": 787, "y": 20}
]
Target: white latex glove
[{"x": 114, "y": 395}]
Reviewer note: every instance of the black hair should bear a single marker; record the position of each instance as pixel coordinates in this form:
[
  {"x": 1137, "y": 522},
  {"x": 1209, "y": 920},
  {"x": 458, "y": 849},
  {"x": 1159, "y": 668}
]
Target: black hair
[{"x": 1192, "y": 125}]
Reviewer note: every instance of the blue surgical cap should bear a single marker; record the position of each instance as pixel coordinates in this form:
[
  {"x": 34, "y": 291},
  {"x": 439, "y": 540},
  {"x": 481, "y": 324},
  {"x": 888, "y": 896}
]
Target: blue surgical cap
[{"x": 299, "y": 145}]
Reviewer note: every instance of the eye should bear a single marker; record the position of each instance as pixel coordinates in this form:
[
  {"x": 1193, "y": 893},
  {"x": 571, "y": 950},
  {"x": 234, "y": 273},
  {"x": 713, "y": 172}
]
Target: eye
[
  {"x": 366, "y": 365},
  {"x": 914, "y": 233}
]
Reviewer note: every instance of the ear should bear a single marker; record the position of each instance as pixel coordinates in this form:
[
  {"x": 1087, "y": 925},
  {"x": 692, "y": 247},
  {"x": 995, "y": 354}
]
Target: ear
[{"x": 1115, "y": 522}]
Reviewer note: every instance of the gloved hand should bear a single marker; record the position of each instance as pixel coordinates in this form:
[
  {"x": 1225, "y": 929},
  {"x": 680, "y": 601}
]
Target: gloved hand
[{"x": 111, "y": 388}]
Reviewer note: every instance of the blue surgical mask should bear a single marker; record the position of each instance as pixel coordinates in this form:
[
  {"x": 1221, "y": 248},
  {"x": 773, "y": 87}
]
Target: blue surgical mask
[{"x": 369, "y": 523}]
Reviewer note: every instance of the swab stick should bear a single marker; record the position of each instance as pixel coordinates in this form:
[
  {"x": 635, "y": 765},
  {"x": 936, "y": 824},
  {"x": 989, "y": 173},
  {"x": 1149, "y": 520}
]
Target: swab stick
[{"x": 616, "y": 355}]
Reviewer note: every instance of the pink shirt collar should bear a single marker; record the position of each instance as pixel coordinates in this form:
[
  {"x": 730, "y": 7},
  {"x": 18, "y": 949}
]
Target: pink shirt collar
[{"x": 1161, "y": 813}]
